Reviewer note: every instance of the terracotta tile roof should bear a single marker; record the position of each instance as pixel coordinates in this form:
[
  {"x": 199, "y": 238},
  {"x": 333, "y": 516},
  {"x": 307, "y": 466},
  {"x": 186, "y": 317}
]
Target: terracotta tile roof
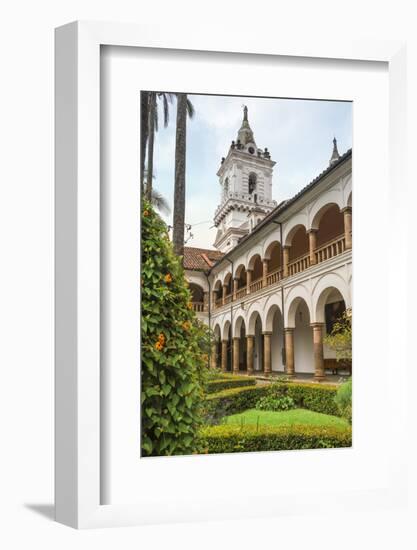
[{"x": 200, "y": 259}]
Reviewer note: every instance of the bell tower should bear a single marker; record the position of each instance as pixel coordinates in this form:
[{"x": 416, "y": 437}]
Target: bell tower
[{"x": 245, "y": 178}]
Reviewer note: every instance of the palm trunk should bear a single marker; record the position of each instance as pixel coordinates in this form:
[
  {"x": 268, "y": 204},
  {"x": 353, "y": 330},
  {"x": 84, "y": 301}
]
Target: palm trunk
[
  {"x": 151, "y": 139},
  {"x": 144, "y": 117},
  {"x": 179, "y": 192}
]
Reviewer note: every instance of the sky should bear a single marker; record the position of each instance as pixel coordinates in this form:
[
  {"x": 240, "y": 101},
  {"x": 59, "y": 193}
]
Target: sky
[{"x": 297, "y": 133}]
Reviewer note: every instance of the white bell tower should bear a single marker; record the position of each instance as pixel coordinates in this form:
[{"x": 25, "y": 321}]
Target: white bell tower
[{"x": 245, "y": 176}]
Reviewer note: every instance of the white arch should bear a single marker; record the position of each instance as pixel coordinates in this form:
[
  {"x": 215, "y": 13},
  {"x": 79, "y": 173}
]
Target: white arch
[
  {"x": 237, "y": 270},
  {"x": 323, "y": 288},
  {"x": 333, "y": 196},
  {"x": 292, "y": 299},
  {"x": 253, "y": 252},
  {"x": 196, "y": 280},
  {"x": 290, "y": 227},
  {"x": 217, "y": 332},
  {"x": 272, "y": 238},
  {"x": 225, "y": 329},
  {"x": 347, "y": 192},
  {"x": 254, "y": 310},
  {"x": 238, "y": 325},
  {"x": 272, "y": 305},
  {"x": 251, "y": 262}
]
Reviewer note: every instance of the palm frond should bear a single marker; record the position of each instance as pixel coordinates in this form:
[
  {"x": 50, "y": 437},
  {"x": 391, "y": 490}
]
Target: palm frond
[
  {"x": 160, "y": 202},
  {"x": 190, "y": 109}
]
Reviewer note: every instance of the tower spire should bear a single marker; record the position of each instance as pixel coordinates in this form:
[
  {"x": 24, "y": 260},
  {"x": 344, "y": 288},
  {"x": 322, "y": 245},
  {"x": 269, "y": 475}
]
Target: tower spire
[
  {"x": 335, "y": 155},
  {"x": 245, "y": 134}
]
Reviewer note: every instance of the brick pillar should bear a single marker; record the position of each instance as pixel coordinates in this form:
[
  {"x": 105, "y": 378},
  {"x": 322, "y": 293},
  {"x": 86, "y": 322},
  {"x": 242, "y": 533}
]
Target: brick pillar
[
  {"x": 249, "y": 354},
  {"x": 264, "y": 272},
  {"x": 236, "y": 342},
  {"x": 286, "y": 258},
  {"x": 235, "y": 284},
  {"x": 267, "y": 352},
  {"x": 347, "y": 219},
  {"x": 289, "y": 351},
  {"x": 318, "y": 350},
  {"x": 213, "y": 357},
  {"x": 205, "y": 301},
  {"x": 312, "y": 240},
  {"x": 248, "y": 280},
  {"x": 224, "y": 355},
  {"x": 224, "y": 294}
]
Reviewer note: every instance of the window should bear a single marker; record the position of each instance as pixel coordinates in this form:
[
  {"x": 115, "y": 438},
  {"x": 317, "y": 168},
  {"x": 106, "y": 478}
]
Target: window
[
  {"x": 226, "y": 187},
  {"x": 252, "y": 182}
]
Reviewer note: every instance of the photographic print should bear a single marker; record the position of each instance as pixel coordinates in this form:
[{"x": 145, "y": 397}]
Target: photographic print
[{"x": 246, "y": 274}]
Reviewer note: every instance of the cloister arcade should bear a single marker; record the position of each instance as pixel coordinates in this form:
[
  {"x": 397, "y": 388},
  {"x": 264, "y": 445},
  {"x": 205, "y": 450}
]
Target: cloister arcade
[
  {"x": 253, "y": 340},
  {"x": 308, "y": 239}
]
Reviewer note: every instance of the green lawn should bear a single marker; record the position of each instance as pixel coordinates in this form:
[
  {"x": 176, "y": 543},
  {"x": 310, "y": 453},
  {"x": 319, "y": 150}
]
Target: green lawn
[{"x": 285, "y": 418}]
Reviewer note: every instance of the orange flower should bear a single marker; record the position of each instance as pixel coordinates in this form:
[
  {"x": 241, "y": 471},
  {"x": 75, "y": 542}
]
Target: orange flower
[
  {"x": 190, "y": 305},
  {"x": 186, "y": 325},
  {"x": 162, "y": 338},
  {"x": 145, "y": 213},
  {"x": 159, "y": 346},
  {"x": 168, "y": 278}
]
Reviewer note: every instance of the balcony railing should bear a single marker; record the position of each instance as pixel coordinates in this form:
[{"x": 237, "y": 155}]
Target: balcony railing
[
  {"x": 330, "y": 249},
  {"x": 322, "y": 253},
  {"x": 299, "y": 264},
  {"x": 256, "y": 285},
  {"x": 198, "y": 307},
  {"x": 274, "y": 277},
  {"x": 241, "y": 293}
]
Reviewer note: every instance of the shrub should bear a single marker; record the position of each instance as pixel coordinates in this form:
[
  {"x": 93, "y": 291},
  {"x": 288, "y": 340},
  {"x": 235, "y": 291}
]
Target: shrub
[
  {"x": 343, "y": 400},
  {"x": 174, "y": 348},
  {"x": 214, "y": 386},
  {"x": 271, "y": 403},
  {"x": 231, "y": 401},
  {"x": 315, "y": 397},
  {"x": 233, "y": 439}
]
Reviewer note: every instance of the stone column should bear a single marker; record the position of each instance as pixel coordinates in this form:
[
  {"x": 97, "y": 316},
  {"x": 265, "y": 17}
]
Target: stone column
[
  {"x": 289, "y": 351},
  {"x": 264, "y": 272},
  {"x": 224, "y": 294},
  {"x": 236, "y": 342},
  {"x": 312, "y": 240},
  {"x": 248, "y": 280},
  {"x": 249, "y": 354},
  {"x": 347, "y": 219},
  {"x": 267, "y": 352},
  {"x": 235, "y": 285},
  {"x": 224, "y": 355},
  {"x": 286, "y": 258},
  {"x": 213, "y": 358},
  {"x": 213, "y": 299},
  {"x": 318, "y": 351},
  {"x": 205, "y": 301}
]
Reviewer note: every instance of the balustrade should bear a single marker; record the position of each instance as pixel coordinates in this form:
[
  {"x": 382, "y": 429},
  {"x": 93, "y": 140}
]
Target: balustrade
[
  {"x": 330, "y": 249},
  {"x": 299, "y": 264}
]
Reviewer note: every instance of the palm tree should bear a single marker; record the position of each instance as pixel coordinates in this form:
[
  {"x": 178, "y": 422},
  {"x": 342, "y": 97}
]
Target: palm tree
[
  {"x": 184, "y": 107},
  {"x": 144, "y": 117},
  {"x": 151, "y": 109}
]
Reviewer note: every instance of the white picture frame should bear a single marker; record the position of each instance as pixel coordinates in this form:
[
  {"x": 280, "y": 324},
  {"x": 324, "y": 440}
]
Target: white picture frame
[{"x": 78, "y": 405}]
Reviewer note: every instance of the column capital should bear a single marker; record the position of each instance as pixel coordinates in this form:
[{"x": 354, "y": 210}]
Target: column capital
[
  {"x": 249, "y": 270},
  {"x": 267, "y": 332},
  {"x": 236, "y": 338},
  {"x": 225, "y": 341},
  {"x": 316, "y": 325},
  {"x": 289, "y": 329},
  {"x": 312, "y": 230},
  {"x": 250, "y": 336},
  {"x": 346, "y": 209}
]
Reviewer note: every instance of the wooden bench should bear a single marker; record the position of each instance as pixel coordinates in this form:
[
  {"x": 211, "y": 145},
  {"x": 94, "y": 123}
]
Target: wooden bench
[{"x": 335, "y": 366}]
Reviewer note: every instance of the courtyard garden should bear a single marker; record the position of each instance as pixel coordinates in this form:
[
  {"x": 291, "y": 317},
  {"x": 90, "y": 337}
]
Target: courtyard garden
[{"x": 189, "y": 408}]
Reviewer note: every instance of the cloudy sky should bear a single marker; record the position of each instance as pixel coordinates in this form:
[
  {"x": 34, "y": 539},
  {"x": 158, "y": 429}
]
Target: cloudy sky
[{"x": 298, "y": 134}]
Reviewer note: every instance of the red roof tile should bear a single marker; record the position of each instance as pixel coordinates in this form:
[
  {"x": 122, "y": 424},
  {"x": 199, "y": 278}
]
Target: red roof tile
[{"x": 200, "y": 259}]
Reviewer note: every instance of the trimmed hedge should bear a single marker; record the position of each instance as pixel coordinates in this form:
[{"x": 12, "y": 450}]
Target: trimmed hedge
[
  {"x": 215, "y": 386},
  {"x": 315, "y": 397},
  {"x": 235, "y": 439},
  {"x": 231, "y": 401}
]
